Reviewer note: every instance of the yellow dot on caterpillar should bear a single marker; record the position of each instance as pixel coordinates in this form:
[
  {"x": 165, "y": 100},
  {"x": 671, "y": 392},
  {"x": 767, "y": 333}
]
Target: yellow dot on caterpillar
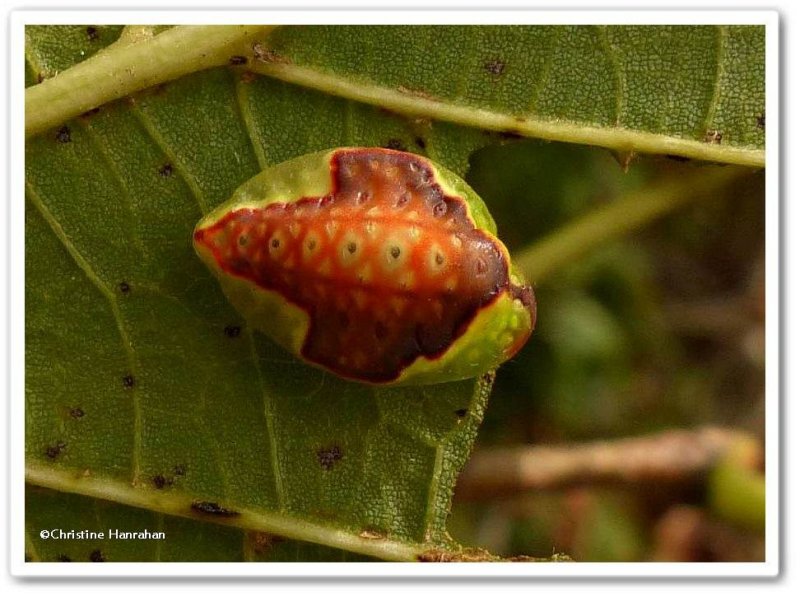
[
  {"x": 294, "y": 229},
  {"x": 276, "y": 243},
  {"x": 414, "y": 233},
  {"x": 436, "y": 259},
  {"x": 310, "y": 245},
  {"x": 394, "y": 254},
  {"x": 451, "y": 284},
  {"x": 350, "y": 249},
  {"x": 455, "y": 241}
]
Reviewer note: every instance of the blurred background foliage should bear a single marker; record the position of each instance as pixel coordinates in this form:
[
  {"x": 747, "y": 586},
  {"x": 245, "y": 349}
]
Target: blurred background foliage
[{"x": 658, "y": 330}]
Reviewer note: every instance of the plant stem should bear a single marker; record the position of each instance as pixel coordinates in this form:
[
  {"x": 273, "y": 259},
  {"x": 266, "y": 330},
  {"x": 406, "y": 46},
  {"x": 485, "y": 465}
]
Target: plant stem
[
  {"x": 124, "y": 68},
  {"x": 664, "y": 457},
  {"x": 616, "y": 219}
]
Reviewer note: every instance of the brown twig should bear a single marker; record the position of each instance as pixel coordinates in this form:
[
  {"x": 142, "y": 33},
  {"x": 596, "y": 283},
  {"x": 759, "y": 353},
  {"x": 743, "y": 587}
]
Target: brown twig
[{"x": 664, "y": 457}]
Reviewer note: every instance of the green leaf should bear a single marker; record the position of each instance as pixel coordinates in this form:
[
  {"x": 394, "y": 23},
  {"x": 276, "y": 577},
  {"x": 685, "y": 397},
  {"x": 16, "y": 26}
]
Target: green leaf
[{"x": 144, "y": 387}]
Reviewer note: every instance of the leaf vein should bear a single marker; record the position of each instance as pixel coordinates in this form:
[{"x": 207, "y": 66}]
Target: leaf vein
[
  {"x": 713, "y": 101},
  {"x": 249, "y": 123},
  {"x": 269, "y": 421},
  {"x": 104, "y": 289},
  {"x": 178, "y": 166},
  {"x": 616, "y": 67}
]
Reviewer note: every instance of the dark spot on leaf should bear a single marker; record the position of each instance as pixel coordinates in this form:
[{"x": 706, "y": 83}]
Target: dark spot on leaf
[
  {"x": 179, "y": 470},
  {"x": 63, "y": 558},
  {"x": 488, "y": 377},
  {"x": 461, "y": 413},
  {"x": 76, "y": 413},
  {"x": 494, "y": 67},
  {"x": 420, "y": 142},
  {"x": 54, "y": 451},
  {"x": 124, "y": 287},
  {"x": 40, "y": 77},
  {"x": 232, "y": 331},
  {"x": 761, "y": 120},
  {"x": 160, "y": 481},
  {"x": 91, "y": 112},
  {"x": 128, "y": 381},
  {"x": 396, "y": 144},
  {"x": 165, "y": 170},
  {"x": 714, "y": 137},
  {"x": 97, "y": 556},
  {"x": 64, "y": 135},
  {"x": 213, "y": 508},
  {"x": 237, "y": 60},
  {"x": 328, "y": 457},
  {"x": 92, "y": 33}
]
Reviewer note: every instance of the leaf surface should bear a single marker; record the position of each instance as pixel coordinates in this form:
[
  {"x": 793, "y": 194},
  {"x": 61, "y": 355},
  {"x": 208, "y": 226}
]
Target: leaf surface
[{"x": 137, "y": 367}]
